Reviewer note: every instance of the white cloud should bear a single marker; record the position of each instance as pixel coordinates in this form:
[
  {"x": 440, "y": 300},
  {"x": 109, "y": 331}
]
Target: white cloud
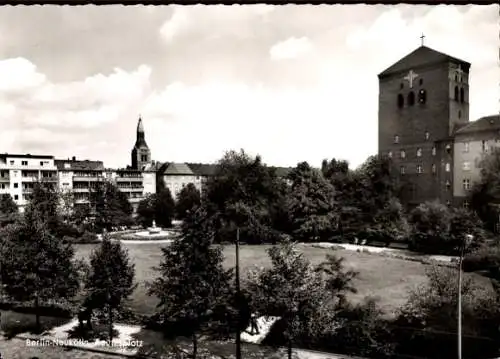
[
  {"x": 290, "y": 48},
  {"x": 320, "y": 105}
]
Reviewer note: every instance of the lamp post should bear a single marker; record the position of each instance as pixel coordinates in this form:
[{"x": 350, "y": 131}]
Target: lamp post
[
  {"x": 238, "y": 295},
  {"x": 467, "y": 239}
]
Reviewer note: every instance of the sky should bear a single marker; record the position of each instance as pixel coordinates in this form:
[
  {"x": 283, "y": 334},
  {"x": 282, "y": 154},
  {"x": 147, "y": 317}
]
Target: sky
[{"x": 291, "y": 83}]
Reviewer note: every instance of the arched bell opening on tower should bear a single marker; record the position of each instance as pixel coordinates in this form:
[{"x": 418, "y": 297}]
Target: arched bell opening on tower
[
  {"x": 456, "y": 93},
  {"x": 462, "y": 95},
  {"x": 411, "y": 98}
]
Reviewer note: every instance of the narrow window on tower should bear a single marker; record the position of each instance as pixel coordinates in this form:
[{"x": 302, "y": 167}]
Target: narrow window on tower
[
  {"x": 427, "y": 135},
  {"x": 448, "y": 185},
  {"x": 466, "y": 184},
  {"x": 421, "y": 81},
  {"x": 402, "y": 170},
  {"x": 401, "y": 101},
  {"x": 396, "y": 139},
  {"x": 433, "y": 151},
  {"x": 459, "y": 114},
  {"x": 466, "y": 204},
  {"x": 419, "y": 152},
  {"x": 456, "y": 93},
  {"x": 422, "y": 96},
  {"x": 403, "y": 154},
  {"x": 433, "y": 168},
  {"x": 456, "y": 78},
  {"x": 447, "y": 167},
  {"x": 419, "y": 169},
  {"x": 411, "y": 98},
  {"x": 466, "y": 146},
  {"x": 401, "y": 85},
  {"x": 389, "y": 154},
  {"x": 462, "y": 95}
]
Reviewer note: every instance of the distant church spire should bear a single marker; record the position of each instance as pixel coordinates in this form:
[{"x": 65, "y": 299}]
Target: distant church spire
[
  {"x": 140, "y": 137},
  {"x": 141, "y": 155}
]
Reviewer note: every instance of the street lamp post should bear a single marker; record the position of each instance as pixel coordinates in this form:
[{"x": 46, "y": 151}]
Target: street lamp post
[{"x": 467, "y": 239}]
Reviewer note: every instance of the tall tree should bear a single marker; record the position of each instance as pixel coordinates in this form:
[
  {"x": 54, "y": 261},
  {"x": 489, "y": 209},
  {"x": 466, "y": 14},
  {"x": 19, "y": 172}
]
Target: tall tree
[
  {"x": 110, "y": 206},
  {"x": 242, "y": 194},
  {"x": 110, "y": 280},
  {"x": 192, "y": 284},
  {"x": 146, "y": 210},
  {"x": 8, "y": 209},
  {"x": 36, "y": 266},
  {"x": 294, "y": 290},
  {"x": 311, "y": 205},
  {"x": 164, "y": 208},
  {"x": 187, "y": 200}
]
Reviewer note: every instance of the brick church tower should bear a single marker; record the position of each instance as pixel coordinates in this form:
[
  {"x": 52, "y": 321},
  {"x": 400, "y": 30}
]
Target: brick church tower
[
  {"x": 141, "y": 155},
  {"x": 423, "y": 100}
]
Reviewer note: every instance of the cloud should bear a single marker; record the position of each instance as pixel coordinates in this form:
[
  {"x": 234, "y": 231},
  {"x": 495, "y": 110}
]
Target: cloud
[
  {"x": 290, "y": 48},
  {"x": 207, "y": 78}
]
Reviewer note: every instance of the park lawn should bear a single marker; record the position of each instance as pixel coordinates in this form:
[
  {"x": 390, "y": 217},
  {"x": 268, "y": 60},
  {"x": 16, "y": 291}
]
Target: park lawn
[{"x": 388, "y": 279}]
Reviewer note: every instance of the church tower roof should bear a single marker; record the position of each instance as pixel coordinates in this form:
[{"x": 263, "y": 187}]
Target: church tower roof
[
  {"x": 422, "y": 56},
  {"x": 140, "y": 138},
  {"x": 140, "y": 127}
]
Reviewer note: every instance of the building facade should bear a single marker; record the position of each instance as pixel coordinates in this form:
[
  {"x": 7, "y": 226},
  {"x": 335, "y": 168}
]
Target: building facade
[
  {"x": 472, "y": 143},
  {"x": 18, "y": 174},
  {"x": 424, "y": 127},
  {"x": 423, "y": 101}
]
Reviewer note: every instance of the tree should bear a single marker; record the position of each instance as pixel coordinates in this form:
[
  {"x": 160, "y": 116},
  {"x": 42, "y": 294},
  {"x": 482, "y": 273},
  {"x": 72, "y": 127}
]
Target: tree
[
  {"x": 110, "y": 280},
  {"x": 311, "y": 205},
  {"x": 294, "y": 290},
  {"x": 164, "y": 208},
  {"x": 146, "y": 210},
  {"x": 8, "y": 209},
  {"x": 35, "y": 265},
  {"x": 428, "y": 321},
  {"x": 192, "y": 284},
  {"x": 110, "y": 206},
  {"x": 45, "y": 198},
  {"x": 430, "y": 228},
  {"x": 242, "y": 194},
  {"x": 485, "y": 193},
  {"x": 187, "y": 200}
]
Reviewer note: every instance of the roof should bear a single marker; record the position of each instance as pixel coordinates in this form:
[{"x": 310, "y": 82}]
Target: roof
[
  {"x": 203, "y": 169},
  {"x": 282, "y": 171},
  {"x": 178, "y": 169},
  {"x": 422, "y": 56},
  {"x": 487, "y": 123},
  {"x": 4, "y": 155},
  {"x": 77, "y": 165}
]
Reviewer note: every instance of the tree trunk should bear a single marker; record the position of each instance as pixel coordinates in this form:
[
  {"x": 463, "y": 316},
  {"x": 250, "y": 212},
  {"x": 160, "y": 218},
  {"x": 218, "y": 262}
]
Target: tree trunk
[
  {"x": 110, "y": 317},
  {"x": 195, "y": 346},
  {"x": 37, "y": 313},
  {"x": 290, "y": 348}
]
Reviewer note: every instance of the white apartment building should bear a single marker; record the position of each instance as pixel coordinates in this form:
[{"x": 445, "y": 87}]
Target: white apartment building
[{"x": 18, "y": 173}]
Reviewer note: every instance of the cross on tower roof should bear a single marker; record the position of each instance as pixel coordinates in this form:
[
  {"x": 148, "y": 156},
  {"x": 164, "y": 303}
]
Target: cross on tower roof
[
  {"x": 410, "y": 77},
  {"x": 422, "y": 39}
]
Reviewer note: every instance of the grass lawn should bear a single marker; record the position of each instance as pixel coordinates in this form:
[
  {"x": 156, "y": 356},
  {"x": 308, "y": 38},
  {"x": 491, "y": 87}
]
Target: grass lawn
[{"x": 389, "y": 279}]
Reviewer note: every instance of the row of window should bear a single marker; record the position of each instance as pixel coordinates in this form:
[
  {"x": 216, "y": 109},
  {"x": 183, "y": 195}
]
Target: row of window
[
  {"x": 420, "y": 168},
  {"x": 25, "y": 163},
  {"x": 422, "y": 98},
  {"x": 427, "y": 136},
  {"x": 402, "y": 153}
]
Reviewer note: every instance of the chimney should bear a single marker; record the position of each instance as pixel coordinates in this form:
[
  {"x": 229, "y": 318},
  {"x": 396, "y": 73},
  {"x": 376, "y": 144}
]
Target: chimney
[{"x": 73, "y": 158}]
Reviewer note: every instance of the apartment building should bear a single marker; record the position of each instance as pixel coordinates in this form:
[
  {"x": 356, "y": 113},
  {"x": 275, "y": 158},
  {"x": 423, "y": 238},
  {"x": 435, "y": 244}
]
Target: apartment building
[
  {"x": 472, "y": 143},
  {"x": 18, "y": 173}
]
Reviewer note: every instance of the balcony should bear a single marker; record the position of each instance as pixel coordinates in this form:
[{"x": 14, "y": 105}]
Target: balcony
[
  {"x": 129, "y": 179},
  {"x": 88, "y": 178},
  {"x": 81, "y": 190},
  {"x": 131, "y": 189},
  {"x": 5, "y": 179}
]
